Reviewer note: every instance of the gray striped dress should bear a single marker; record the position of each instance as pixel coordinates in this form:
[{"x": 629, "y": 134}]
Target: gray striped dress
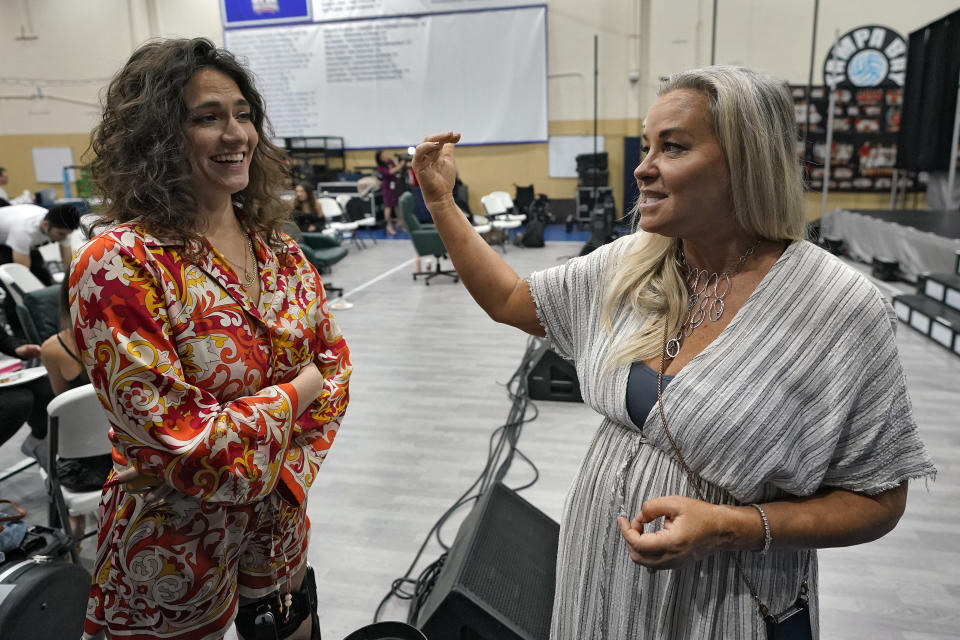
[{"x": 803, "y": 389}]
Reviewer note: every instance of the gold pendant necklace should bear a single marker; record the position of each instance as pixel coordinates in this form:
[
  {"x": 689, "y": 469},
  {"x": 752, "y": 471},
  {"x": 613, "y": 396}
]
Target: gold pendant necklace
[{"x": 248, "y": 276}]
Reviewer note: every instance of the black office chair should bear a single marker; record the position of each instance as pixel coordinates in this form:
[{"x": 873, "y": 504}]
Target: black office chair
[
  {"x": 523, "y": 198},
  {"x": 358, "y": 210}
]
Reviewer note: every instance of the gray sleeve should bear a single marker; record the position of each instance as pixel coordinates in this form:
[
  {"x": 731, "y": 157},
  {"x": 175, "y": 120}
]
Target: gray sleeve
[
  {"x": 878, "y": 445},
  {"x": 568, "y": 296}
]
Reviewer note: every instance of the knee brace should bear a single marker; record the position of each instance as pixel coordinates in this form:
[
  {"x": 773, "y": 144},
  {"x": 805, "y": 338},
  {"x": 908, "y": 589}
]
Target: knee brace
[{"x": 270, "y": 618}]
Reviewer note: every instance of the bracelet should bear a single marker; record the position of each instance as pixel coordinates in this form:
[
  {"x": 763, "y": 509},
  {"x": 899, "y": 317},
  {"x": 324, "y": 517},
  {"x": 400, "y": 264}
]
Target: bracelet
[{"x": 767, "y": 538}]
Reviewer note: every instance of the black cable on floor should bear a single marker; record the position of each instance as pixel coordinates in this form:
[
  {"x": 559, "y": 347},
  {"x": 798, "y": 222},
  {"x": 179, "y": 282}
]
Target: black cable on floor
[{"x": 501, "y": 448}]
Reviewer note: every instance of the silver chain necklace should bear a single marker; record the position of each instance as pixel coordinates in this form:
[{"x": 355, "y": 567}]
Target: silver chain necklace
[{"x": 707, "y": 291}]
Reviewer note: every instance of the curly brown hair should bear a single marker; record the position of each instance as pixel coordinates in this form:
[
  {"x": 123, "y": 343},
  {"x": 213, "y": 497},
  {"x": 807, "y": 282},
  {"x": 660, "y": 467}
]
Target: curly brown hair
[{"x": 141, "y": 168}]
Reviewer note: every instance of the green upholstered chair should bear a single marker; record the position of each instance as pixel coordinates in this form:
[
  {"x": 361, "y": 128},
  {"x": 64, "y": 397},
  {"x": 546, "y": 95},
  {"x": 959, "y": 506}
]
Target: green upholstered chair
[
  {"x": 426, "y": 240},
  {"x": 39, "y": 313},
  {"x": 321, "y": 250}
]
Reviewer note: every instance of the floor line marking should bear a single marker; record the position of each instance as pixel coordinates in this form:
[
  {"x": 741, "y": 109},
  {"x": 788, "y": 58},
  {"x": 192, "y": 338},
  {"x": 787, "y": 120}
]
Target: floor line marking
[{"x": 376, "y": 279}]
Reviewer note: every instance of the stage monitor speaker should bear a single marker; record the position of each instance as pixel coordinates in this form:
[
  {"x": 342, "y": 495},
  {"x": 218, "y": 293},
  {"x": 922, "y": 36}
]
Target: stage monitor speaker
[
  {"x": 586, "y": 161},
  {"x": 553, "y": 378},
  {"x": 589, "y": 198},
  {"x": 498, "y": 580}
]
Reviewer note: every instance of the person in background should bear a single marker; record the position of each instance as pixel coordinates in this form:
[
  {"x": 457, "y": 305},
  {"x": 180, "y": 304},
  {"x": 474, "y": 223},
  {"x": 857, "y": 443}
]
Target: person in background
[
  {"x": 388, "y": 170},
  {"x": 307, "y": 212},
  {"x": 4, "y": 181},
  {"x": 65, "y": 371},
  {"x": 754, "y": 404},
  {"x": 208, "y": 337},
  {"x": 23, "y": 198},
  {"x": 24, "y": 227},
  {"x": 25, "y": 402},
  {"x": 460, "y": 197}
]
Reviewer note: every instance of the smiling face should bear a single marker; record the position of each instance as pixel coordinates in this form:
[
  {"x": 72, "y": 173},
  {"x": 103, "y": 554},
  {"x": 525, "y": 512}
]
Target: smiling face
[
  {"x": 221, "y": 137},
  {"x": 683, "y": 179}
]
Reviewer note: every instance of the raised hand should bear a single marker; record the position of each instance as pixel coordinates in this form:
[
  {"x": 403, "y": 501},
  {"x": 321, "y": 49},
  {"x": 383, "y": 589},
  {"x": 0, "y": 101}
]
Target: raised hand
[{"x": 434, "y": 166}]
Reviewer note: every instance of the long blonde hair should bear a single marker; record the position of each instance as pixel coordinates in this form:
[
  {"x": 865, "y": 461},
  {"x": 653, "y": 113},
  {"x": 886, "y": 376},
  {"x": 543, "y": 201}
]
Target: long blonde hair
[{"x": 752, "y": 115}]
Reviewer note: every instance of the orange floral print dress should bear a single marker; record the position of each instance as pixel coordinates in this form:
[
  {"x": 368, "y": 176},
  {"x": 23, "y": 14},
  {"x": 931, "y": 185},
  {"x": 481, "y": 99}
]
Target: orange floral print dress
[{"x": 195, "y": 382}]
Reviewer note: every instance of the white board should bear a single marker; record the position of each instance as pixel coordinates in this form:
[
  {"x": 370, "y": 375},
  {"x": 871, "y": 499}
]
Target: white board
[
  {"x": 564, "y": 151},
  {"x": 48, "y": 163},
  {"x": 389, "y": 82},
  {"x": 351, "y": 9}
]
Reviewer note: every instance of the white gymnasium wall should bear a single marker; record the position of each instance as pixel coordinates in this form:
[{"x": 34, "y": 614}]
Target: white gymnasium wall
[
  {"x": 78, "y": 47},
  {"x": 770, "y": 35},
  {"x": 640, "y": 40}
]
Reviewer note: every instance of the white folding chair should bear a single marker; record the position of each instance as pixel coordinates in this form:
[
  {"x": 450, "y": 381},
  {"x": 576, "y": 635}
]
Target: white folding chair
[
  {"x": 497, "y": 216},
  {"x": 53, "y": 260},
  {"x": 19, "y": 280},
  {"x": 77, "y": 428},
  {"x": 506, "y": 202},
  {"x": 493, "y": 205},
  {"x": 336, "y": 220}
]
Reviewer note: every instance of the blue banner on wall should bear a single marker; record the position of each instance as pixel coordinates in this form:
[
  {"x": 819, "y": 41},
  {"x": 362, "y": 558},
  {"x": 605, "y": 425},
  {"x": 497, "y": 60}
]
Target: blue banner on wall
[{"x": 244, "y": 13}]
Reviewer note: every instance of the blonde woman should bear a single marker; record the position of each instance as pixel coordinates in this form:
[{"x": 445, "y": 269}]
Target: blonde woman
[{"x": 784, "y": 424}]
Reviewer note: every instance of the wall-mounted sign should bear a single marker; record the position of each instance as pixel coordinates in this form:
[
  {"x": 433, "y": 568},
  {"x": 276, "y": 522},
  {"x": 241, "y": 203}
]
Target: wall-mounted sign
[
  {"x": 868, "y": 56},
  {"x": 248, "y": 13}
]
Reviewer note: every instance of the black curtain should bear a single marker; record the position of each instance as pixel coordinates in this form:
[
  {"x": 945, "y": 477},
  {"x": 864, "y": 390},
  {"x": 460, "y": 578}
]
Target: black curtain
[
  {"x": 631, "y": 158},
  {"x": 930, "y": 96}
]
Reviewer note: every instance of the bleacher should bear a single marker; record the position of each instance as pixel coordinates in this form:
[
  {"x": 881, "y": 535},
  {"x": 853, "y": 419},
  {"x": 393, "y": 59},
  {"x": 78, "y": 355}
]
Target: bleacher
[{"x": 934, "y": 310}]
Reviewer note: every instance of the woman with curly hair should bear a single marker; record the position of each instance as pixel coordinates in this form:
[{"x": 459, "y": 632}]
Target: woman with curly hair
[{"x": 209, "y": 340}]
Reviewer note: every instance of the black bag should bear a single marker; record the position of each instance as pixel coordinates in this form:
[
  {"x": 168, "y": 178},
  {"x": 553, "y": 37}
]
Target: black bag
[
  {"x": 84, "y": 474},
  {"x": 537, "y": 217},
  {"x": 533, "y": 233},
  {"x": 49, "y": 596}
]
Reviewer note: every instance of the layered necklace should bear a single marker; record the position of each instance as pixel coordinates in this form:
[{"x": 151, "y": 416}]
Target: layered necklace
[
  {"x": 707, "y": 291},
  {"x": 249, "y": 274}
]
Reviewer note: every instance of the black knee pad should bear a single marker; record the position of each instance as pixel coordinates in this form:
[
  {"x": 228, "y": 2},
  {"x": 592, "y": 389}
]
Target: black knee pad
[{"x": 265, "y": 619}]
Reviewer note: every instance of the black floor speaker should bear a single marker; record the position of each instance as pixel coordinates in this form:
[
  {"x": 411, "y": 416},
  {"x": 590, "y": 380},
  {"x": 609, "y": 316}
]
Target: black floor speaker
[
  {"x": 498, "y": 579},
  {"x": 553, "y": 378}
]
